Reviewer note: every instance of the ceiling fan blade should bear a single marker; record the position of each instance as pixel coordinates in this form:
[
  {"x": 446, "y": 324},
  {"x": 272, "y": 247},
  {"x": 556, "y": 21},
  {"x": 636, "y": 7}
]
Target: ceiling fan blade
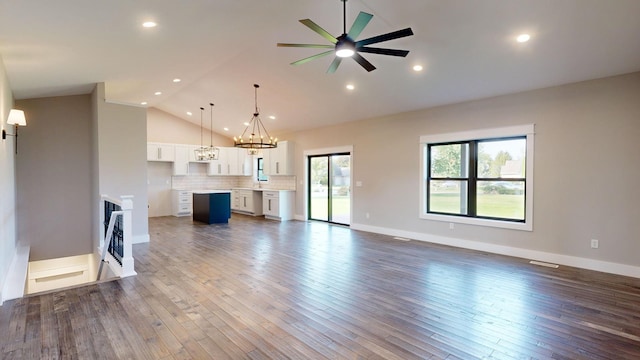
[
  {"x": 385, "y": 37},
  {"x": 334, "y": 65},
  {"x": 307, "y": 59},
  {"x": 307, "y": 46},
  {"x": 363, "y": 62},
  {"x": 381, "y": 51},
  {"x": 361, "y": 21},
  {"x": 315, "y": 27}
]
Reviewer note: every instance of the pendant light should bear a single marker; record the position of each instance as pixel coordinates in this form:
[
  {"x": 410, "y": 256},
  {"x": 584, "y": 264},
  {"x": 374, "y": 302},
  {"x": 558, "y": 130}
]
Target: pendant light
[
  {"x": 207, "y": 153},
  {"x": 213, "y": 152},
  {"x": 258, "y": 136},
  {"x": 201, "y": 152}
]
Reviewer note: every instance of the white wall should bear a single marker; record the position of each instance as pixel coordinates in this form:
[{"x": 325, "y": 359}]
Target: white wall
[
  {"x": 120, "y": 138},
  {"x": 586, "y": 171},
  {"x": 7, "y": 183},
  {"x": 164, "y": 127}
]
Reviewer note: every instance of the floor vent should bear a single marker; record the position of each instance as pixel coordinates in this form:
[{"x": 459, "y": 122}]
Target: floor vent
[
  {"x": 401, "y": 238},
  {"x": 540, "y": 263}
]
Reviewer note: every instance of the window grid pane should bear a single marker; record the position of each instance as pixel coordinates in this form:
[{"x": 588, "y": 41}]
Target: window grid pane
[{"x": 494, "y": 189}]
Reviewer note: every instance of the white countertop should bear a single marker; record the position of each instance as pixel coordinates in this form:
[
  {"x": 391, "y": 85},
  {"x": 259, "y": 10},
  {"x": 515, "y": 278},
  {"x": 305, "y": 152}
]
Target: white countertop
[
  {"x": 211, "y": 191},
  {"x": 214, "y": 191},
  {"x": 261, "y": 189}
]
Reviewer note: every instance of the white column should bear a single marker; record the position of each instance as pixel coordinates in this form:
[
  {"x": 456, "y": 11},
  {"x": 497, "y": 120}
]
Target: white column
[{"x": 127, "y": 223}]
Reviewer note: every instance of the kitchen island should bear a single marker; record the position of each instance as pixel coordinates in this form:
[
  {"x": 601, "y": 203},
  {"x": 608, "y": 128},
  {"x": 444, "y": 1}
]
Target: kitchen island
[{"x": 212, "y": 206}]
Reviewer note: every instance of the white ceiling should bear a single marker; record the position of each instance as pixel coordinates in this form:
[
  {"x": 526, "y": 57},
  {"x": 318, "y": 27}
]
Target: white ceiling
[{"x": 221, "y": 48}]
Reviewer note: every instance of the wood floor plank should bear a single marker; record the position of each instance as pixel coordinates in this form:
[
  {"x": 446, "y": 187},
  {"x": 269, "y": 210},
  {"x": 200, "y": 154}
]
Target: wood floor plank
[{"x": 256, "y": 289}]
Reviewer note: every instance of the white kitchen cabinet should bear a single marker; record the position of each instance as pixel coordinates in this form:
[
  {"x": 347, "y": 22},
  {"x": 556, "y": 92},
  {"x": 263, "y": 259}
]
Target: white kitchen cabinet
[
  {"x": 279, "y": 161},
  {"x": 182, "y": 202},
  {"x": 278, "y": 205},
  {"x": 245, "y": 163},
  {"x": 221, "y": 165},
  {"x": 181, "y": 160},
  {"x": 192, "y": 154},
  {"x": 160, "y": 152},
  {"x": 232, "y": 162},
  {"x": 217, "y": 167},
  {"x": 246, "y": 201}
]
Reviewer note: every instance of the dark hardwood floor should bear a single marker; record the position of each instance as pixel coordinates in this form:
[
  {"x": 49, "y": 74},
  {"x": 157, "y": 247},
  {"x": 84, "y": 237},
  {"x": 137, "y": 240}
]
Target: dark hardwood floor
[{"x": 256, "y": 289}]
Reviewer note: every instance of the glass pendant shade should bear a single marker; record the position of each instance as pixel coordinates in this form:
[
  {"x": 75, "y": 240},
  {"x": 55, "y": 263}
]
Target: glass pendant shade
[{"x": 207, "y": 153}]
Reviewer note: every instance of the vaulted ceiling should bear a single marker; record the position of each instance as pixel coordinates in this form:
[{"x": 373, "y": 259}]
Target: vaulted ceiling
[{"x": 219, "y": 49}]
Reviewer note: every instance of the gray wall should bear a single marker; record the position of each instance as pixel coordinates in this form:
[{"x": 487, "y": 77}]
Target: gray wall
[
  {"x": 7, "y": 183},
  {"x": 54, "y": 176},
  {"x": 586, "y": 167},
  {"x": 122, "y": 157}
]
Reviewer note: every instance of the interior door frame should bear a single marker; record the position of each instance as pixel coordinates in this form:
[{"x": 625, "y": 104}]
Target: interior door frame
[{"x": 327, "y": 151}]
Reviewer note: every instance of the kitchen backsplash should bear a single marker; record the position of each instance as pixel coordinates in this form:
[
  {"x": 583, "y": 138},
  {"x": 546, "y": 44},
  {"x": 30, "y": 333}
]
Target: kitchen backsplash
[{"x": 199, "y": 180}]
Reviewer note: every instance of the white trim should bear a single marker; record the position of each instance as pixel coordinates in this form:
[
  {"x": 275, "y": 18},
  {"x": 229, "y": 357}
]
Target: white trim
[
  {"x": 478, "y": 221},
  {"x": 17, "y": 275},
  {"x": 116, "y": 102},
  {"x": 567, "y": 260},
  {"x": 305, "y": 187},
  {"x": 527, "y": 130},
  {"x": 140, "y": 239},
  {"x": 479, "y": 134},
  {"x": 331, "y": 150}
]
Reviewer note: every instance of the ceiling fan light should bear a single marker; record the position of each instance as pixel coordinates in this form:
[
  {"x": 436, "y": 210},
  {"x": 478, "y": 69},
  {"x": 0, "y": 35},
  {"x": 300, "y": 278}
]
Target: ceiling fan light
[{"x": 344, "y": 50}]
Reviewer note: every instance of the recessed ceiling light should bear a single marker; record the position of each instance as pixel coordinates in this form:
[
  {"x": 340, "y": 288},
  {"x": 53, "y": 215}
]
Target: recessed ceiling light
[
  {"x": 246, "y": 124},
  {"x": 149, "y": 24},
  {"x": 189, "y": 113},
  {"x": 226, "y": 129},
  {"x": 417, "y": 68},
  {"x": 158, "y": 93},
  {"x": 272, "y": 117},
  {"x": 350, "y": 87},
  {"x": 176, "y": 80},
  {"x": 143, "y": 103},
  {"x": 523, "y": 38}
]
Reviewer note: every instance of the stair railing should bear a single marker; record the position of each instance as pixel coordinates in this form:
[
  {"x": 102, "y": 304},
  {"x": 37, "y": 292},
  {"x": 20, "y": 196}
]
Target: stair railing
[{"x": 116, "y": 243}]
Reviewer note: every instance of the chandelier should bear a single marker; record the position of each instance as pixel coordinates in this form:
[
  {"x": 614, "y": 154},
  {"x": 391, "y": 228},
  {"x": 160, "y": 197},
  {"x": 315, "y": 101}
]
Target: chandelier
[
  {"x": 207, "y": 153},
  {"x": 257, "y": 135}
]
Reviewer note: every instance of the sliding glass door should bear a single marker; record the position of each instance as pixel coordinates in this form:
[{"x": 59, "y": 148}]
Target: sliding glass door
[{"x": 329, "y": 196}]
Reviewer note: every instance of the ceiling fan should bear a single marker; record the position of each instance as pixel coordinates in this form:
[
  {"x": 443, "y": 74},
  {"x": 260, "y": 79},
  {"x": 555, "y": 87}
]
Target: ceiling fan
[{"x": 345, "y": 45}]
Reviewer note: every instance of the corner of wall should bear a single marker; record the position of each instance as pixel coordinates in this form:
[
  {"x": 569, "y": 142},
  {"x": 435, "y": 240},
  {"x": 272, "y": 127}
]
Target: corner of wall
[{"x": 8, "y": 235}]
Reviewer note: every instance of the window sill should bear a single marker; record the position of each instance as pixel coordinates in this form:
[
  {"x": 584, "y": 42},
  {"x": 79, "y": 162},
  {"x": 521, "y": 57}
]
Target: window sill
[{"x": 526, "y": 226}]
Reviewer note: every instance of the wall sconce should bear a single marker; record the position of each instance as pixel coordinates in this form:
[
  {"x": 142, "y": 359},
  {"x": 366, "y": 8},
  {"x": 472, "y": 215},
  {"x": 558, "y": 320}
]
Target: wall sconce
[{"x": 16, "y": 117}]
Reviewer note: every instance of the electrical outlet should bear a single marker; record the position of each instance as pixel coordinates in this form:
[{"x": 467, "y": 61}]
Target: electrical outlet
[
  {"x": 594, "y": 243},
  {"x": 366, "y": 215},
  {"x": 451, "y": 226}
]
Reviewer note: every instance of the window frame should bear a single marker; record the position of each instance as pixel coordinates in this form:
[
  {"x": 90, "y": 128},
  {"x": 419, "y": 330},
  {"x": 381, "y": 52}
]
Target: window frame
[
  {"x": 526, "y": 131},
  {"x": 260, "y": 170}
]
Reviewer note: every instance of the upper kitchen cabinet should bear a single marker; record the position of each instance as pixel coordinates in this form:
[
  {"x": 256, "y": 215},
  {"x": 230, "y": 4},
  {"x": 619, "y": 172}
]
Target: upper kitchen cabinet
[
  {"x": 160, "y": 152},
  {"x": 226, "y": 163},
  {"x": 279, "y": 161},
  {"x": 181, "y": 161},
  {"x": 192, "y": 154},
  {"x": 245, "y": 162},
  {"x": 232, "y": 161}
]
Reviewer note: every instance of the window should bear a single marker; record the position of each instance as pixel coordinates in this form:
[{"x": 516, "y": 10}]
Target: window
[
  {"x": 481, "y": 177},
  {"x": 261, "y": 175}
]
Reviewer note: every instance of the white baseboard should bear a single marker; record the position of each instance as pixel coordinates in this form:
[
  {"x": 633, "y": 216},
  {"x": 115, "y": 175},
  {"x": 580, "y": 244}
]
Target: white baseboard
[
  {"x": 17, "y": 276},
  {"x": 140, "y": 239},
  {"x": 574, "y": 261}
]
